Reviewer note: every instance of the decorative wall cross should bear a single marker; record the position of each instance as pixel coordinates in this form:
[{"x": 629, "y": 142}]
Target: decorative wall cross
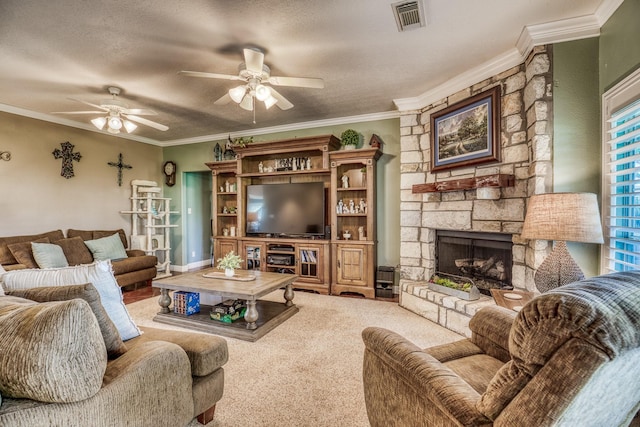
[
  {"x": 68, "y": 156},
  {"x": 120, "y": 165}
]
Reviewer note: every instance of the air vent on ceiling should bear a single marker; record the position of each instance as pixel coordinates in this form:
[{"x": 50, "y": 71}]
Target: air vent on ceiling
[{"x": 409, "y": 15}]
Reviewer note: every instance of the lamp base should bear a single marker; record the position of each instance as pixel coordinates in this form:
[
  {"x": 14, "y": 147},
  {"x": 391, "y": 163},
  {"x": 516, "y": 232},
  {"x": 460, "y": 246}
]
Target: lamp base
[{"x": 558, "y": 269}]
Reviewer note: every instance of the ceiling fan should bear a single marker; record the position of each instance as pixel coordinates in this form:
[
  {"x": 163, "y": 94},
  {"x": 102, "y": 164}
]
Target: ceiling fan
[
  {"x": 256, "y": 76},
  {"x": 118, "y": 115}
]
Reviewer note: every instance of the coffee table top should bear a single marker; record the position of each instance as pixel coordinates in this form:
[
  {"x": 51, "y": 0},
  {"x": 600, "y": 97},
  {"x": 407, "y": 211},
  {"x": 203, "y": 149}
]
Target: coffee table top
[{"x": 265, "y": 283}]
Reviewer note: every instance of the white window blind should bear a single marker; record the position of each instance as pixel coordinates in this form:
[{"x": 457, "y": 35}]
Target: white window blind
[{"x": 621, "y": 201}]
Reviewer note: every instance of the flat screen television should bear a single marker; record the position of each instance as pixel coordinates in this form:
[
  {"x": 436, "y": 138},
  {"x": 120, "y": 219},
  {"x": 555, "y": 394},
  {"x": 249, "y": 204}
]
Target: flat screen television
[{"x": 286, "y": 209}]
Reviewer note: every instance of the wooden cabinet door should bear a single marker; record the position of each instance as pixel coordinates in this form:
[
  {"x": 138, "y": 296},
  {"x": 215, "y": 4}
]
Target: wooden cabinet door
[
  {"x": 223, "y": 247},
  {"x": 310, "y": 263},
  {"x": 253, "y": 254},
  {"x": 351, "y": 265}
]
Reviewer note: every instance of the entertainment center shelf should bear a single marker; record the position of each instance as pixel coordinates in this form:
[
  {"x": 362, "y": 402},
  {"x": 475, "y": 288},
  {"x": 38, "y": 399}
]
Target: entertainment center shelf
[{"x": 336, "y": 258}]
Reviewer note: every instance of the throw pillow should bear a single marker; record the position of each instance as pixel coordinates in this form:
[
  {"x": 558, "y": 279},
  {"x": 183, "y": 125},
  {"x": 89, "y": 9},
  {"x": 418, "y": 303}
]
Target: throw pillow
[
  {"x": 107, "y": 248},
  {"x": 57, "y": 352},
  {"x": 87, "y": 292},
  {"x": 75, "y": 250},
  {"x": 22, "y": 252},
  {"x": 100, "y": 274},
  {"x": 2, "y": 271},
  {"x": 48, "y": 255}
]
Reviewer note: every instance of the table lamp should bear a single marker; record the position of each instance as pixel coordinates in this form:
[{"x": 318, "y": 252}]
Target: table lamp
[{"x": 563, "y": 217}]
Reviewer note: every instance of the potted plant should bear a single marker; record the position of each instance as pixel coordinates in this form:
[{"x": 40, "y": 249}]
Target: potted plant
[
  {"x": 349, "y": 139},
  {"x": 229, "y": 263}
]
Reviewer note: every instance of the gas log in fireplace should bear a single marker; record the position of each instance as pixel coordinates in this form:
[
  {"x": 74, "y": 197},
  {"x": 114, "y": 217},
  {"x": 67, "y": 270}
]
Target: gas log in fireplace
[{"x": 486, "y": 258}]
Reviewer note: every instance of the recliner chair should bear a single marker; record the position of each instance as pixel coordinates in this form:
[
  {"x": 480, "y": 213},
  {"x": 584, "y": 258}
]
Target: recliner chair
[{"x": 570, "y": 357}]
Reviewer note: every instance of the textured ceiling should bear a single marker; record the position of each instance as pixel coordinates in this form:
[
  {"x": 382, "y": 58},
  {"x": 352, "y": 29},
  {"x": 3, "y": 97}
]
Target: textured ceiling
[{"x": 52, "y": 50}]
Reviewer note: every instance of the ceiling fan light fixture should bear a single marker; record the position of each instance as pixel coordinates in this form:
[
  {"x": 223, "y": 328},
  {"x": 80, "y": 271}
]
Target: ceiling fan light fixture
[
  {"x": 270, "y": 102},
  {"x": 237, "y": 93},
  {"x": 115, "y": 123},
  {"x": 99, "y": 122},
  {"x": 262, "y": 92},
  {"x": 129, "y": 126},
  {"x": 247, "y": 103}
]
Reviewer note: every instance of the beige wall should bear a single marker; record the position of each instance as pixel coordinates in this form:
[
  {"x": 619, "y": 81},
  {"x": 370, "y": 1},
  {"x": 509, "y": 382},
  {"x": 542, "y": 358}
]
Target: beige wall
[{"x": 34, "y": 197}]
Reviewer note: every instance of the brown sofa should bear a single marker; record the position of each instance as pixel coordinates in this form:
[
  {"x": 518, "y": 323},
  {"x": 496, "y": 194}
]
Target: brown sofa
[
  {"x": 137, "y": 267},
  {"x": 55, "y": 368},
  {"x": 570, "y": 357}
]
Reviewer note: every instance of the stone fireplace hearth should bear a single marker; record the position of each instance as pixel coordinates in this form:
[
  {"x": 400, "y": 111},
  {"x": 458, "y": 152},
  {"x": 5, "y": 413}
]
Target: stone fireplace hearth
[{"x": 432, "y": 202}]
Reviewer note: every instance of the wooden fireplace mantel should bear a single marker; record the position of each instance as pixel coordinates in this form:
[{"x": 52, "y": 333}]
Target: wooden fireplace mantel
[{"x": 497, "y": 181}]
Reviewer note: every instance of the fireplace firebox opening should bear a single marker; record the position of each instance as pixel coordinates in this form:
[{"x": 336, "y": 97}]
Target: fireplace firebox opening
[{"x": 486, "y": 258}]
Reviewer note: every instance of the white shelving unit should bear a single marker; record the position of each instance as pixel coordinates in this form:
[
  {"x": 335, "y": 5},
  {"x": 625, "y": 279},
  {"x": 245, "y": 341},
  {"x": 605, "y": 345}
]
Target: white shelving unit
[{"x": 150, "y": 223}]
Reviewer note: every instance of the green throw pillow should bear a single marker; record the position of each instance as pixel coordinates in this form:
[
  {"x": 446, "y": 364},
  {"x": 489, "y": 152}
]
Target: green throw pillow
[
  {"x": 48, "y": 255},
  {"x": 107, "y": 248}
]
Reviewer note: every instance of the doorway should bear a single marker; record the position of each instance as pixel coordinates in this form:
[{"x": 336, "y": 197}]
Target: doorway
[{"x": 197, "y": 236}]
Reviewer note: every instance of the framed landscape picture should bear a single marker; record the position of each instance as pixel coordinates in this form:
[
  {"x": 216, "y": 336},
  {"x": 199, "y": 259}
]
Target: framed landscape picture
[{"x": 467, "y": 133}]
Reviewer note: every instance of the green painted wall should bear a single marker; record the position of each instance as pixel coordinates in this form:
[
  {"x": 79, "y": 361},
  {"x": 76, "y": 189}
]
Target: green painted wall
[
  {"x": 192, "y": 158},
  {"x": 576, "y": 130},
  {"x": 620, "y": 44},
  {"x": 583, "y": 70}
]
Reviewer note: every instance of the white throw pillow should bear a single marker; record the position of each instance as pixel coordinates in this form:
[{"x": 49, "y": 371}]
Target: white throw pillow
[
  {"x": 2, "y": 272},
  {"x": 100, "y": 274}
]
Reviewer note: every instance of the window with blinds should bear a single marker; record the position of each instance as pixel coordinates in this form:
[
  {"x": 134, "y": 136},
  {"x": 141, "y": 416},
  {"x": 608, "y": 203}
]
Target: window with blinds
[{"x": 621, "y": 189}]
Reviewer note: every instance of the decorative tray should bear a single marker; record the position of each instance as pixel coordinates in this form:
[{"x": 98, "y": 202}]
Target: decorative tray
[
  {"x": 240, "y": 276},
  {"x": 457, "y": 286}
]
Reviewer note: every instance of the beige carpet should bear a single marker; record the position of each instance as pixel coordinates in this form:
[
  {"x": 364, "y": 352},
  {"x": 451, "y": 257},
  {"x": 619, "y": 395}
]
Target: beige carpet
[{"x": 307, "y": 371}]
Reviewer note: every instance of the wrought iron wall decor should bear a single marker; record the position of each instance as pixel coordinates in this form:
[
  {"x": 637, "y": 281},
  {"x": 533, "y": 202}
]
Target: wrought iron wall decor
[
  {"x": 68, "y": 156},
  {"x": 120, "y": 165}
]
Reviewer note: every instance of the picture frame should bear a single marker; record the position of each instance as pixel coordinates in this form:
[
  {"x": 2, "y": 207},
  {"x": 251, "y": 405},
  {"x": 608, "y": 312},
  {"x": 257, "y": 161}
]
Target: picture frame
[{"x": 467, "y": 133}]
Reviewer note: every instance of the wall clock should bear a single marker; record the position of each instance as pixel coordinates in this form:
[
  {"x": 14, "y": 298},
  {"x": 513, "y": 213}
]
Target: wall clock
[{"x": 170, "y": 173}]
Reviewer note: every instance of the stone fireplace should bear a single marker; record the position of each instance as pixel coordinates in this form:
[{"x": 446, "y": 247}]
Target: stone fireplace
[{"x": 445, "y": 202}]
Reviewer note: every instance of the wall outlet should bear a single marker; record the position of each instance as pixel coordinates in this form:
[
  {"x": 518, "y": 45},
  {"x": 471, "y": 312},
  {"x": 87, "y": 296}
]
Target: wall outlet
[
  {"x": 188, "y": 211},
  {"x": 193, "y": 254}
]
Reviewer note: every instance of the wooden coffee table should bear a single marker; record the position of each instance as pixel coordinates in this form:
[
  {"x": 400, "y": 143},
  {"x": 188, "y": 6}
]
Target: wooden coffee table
[{"x": 260, "y": 317}]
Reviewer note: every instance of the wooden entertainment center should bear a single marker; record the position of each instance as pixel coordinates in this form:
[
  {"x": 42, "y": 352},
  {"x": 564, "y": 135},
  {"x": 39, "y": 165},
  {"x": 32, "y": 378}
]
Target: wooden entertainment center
[{"x": 332, "y": 262}]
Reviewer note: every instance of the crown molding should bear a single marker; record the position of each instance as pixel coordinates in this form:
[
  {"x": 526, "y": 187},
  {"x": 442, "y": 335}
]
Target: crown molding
[
  {"x": 606, "y": 9},
  {"x": 483, "y": 71},
  {"x": 532, "y": 35},
  {"x": 581, "y": 27},
  {"x": 386, "y": 115},
  {"x": 70, "y": 123}
]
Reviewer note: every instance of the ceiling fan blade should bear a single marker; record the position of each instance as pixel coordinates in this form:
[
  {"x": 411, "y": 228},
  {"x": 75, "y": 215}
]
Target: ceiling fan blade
[
  {"x": 146, "y": 122},
  {"x": 77, "y": 112},
  {"x": 254, "y": 60},
  {"x": 283, "y": 103},
  {"x": 297, "y": 82},
  {"x": 140, "y": 112},
  {"x": 90, "y": 104},
  {"x": 210, "y": 75},
  {"x": 223, "y": 100}
]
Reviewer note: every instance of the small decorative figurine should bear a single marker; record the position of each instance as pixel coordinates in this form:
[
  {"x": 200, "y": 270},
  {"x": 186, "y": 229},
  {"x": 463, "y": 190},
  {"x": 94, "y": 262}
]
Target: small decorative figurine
[
  {"x": 345, "y": 181},
  {"x": 260, "y": 167},
  {"x": 352, "y": 207},
  {"x": 308, "y": 163},
  {"x": 361, "y": 233},
  {"x": 363, "y": 206},
  {"x": 340, "y": 207}
]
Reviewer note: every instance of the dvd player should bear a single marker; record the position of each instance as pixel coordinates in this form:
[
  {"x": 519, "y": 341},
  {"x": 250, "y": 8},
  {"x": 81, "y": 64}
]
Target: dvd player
[{"x": 275, "y": 259}]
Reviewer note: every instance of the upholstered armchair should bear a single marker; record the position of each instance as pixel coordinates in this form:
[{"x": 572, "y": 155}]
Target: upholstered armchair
[{"x": 570, "y": 357}]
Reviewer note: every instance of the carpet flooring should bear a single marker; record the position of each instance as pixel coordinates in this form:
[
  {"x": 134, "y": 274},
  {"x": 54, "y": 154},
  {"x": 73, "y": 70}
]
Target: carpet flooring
[{"x": 307, "y": 371}]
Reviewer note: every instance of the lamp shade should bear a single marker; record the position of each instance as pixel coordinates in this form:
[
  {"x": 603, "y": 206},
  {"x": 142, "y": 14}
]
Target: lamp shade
[{"x": 571, "y": 217}]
